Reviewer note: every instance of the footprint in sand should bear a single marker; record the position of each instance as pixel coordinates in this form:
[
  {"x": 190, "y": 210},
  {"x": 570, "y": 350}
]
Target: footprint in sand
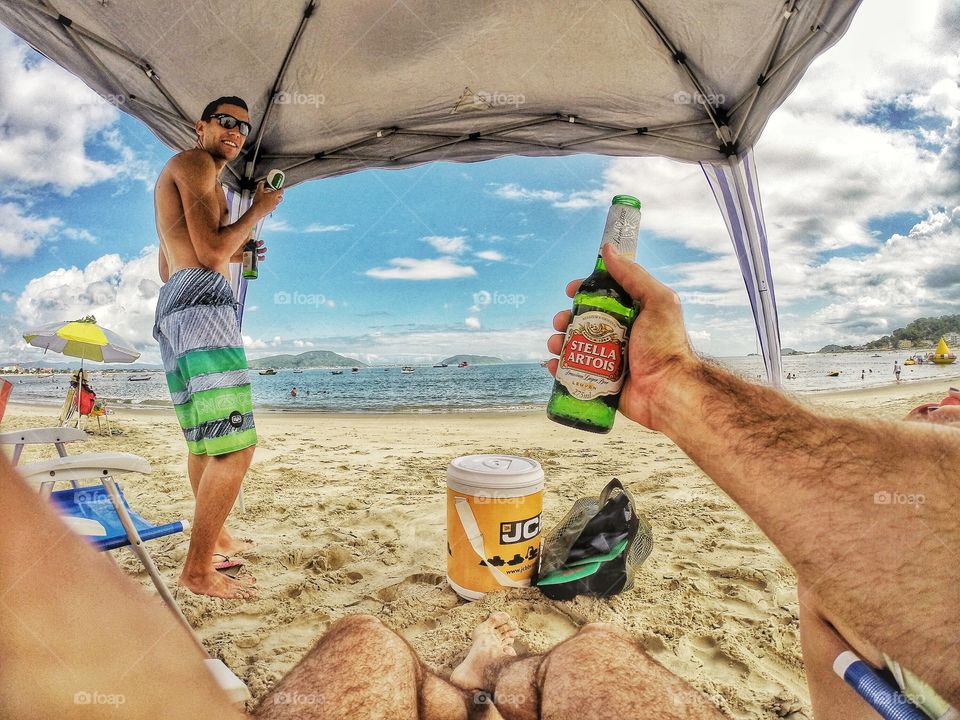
[{"x": 391, "y": 593}]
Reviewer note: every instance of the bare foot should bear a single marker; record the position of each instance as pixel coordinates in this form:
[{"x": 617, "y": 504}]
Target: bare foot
[
  {"x": 218, "y": 585},
  {"x": 227, "y": 545},
  {"x": 492, "y": 642}
]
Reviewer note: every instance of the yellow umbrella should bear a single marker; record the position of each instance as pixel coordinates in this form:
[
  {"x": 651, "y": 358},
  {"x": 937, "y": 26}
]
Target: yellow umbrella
[{"x": 83, "y": 339}]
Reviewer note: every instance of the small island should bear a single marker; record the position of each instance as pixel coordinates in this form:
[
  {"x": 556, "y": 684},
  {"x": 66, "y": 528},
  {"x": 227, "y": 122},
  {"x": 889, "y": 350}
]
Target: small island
[{"x": 306, "y": 360}]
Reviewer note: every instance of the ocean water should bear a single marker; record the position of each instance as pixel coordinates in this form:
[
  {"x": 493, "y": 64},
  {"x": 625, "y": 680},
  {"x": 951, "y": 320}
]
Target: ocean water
[{"x": 507, "y": 387}]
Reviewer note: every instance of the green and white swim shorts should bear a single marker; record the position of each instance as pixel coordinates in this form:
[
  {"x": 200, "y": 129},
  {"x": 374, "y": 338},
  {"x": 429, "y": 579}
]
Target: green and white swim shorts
[{"x": 198, "y": 329}]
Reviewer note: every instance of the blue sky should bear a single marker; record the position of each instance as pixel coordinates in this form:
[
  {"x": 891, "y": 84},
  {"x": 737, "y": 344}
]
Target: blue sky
[{"x": 858, "y": 169}]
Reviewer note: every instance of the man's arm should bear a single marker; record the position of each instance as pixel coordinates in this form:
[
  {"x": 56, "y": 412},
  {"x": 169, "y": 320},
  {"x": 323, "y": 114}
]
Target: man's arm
[
  {"x": 195, "y": 175},
  {"x": 865, "y": 511}
]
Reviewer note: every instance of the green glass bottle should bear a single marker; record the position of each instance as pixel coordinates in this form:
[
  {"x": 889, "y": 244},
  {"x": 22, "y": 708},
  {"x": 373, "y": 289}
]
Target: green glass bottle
[{"x": 593, "y": 361}]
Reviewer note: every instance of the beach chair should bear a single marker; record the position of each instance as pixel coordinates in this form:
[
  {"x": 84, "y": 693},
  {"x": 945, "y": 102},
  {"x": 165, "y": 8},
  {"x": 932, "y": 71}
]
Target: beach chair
[
  {"x": 5, "y": 388},
  {"x": 90, "y": 405},
  {"x": 56, "y": 436},
  {"x": 96, "y": 508}
]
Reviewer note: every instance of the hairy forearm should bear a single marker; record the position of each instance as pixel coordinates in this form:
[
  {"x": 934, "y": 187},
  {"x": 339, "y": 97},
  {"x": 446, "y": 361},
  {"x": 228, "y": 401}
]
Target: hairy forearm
[{"x": 866, "y": 511}]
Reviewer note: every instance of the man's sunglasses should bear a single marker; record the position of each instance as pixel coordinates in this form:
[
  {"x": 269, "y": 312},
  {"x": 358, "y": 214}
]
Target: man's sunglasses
[{"x": 230, "y": 122}]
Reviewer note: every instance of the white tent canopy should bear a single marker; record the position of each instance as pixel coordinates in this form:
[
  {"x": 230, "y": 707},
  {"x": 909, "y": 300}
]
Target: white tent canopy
[{"x": 339, "y": 87}]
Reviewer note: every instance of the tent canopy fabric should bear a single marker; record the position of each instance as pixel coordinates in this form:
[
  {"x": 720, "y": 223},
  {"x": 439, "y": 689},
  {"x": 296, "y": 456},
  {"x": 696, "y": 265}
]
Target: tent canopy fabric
[{"x": 339, "y": 87}]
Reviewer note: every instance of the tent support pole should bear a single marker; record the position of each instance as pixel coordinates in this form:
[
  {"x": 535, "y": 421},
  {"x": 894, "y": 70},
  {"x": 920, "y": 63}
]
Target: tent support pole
[{"x": 766, "y": 311}]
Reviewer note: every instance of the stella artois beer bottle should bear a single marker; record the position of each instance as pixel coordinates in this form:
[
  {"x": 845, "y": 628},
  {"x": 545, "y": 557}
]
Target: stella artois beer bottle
[
  {"x": 593, "y": 361},
  {"x": 275, "y": 179}
]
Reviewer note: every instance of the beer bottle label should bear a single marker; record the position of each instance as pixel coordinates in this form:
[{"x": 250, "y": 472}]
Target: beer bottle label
[
  {"x": 247, "y": 261},
  {"x": 592, "y": 362}
]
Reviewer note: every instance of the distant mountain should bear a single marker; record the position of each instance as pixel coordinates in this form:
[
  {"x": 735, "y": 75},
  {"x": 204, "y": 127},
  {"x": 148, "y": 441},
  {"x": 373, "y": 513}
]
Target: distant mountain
[
  {"x": 472, "y": 359},
  {"x": 311, "y": 359}
]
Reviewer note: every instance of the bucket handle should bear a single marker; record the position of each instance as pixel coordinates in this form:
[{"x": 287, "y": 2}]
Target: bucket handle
[{"x": 472, "y": 530}]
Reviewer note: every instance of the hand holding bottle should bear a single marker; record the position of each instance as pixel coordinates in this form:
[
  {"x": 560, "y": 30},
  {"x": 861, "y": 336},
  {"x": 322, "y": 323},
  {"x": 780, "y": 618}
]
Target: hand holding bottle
[
  {"x": 265, "y": 200},
  {"x": 658, "y": 350}
]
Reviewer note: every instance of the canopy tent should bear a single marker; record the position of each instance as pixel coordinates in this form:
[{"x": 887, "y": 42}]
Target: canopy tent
[{"x": 339, "y": 87}]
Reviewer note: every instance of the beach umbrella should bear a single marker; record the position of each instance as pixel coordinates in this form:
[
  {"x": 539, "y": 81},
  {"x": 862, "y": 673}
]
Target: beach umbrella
[
  {"x": 83, "y": 339},
  {"x": 334, "y": 88}
]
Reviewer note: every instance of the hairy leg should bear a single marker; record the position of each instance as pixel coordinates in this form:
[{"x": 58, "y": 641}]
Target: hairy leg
[
  {"x": 361, "y": 670},
  {"x": 598, "y": 673},
  {"x": 822, "y": 640},
  {"x": 216, "y": 493},
  {"x": 85, "y": 632},
  {"x": 225, "y": 545}
]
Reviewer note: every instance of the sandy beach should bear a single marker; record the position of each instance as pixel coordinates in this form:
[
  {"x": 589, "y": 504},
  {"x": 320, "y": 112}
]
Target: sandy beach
[{"x": 348, "y": 516}]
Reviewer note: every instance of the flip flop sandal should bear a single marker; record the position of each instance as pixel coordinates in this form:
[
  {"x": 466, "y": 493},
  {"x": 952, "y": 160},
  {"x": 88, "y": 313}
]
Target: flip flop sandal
[{"x": 227, "y": 565}]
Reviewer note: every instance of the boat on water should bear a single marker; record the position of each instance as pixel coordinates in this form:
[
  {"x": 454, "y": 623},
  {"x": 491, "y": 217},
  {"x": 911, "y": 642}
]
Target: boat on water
[
  {"x": 268, "y": 371},
  {"x": 835, "y": 373},
  {"x": 297, "y": 371},
  {"x": 544, "y": 363},
  {"x": 910, "y": 361},
  {"x": 463, "y": 364},
  {"x": 45, "y": 375},
  {"x": 138, "y": 378},
  {"x": 441, "y": 365},
  {"x": 354, "y": 369},
  {"x": 336, "y": 372},
  {"x": 407, "y": 369},
  {"x": 942, "y": 355},
  {"x": 875, "y": 355}
]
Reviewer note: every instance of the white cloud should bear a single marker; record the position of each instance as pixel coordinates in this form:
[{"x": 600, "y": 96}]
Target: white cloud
[
  {"x": 49, "y": 118},
  {"x": 79, "y": 234},
  {"x": 251, "y": 343},
  {"x": 472, "y": 323},
  {"x": 277, "y": 225},
  {"x": 512, "y": 191},
  {"x": 432, "y": 269},
  {"x": 21, "y": 235},
  {"x": 7, "y": 297},
  {"x": 121, "y": 294},
  {"x": 491, "y": 255},
  {"x": 447, "y": 245},
  {"x": 318, "y": 228}
]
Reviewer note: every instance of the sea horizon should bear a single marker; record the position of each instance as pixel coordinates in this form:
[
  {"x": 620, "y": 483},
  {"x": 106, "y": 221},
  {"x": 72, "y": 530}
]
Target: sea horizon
[{"x": 498, "y": 387}]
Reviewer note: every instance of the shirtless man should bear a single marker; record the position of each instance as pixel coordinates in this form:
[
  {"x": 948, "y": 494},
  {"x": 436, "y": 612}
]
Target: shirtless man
[{"x": 199, "y": 334}]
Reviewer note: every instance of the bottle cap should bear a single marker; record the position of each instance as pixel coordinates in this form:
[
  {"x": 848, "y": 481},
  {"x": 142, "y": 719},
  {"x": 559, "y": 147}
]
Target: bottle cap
[
  {"x": 275, "y": 179},
  {"x": 625, "y": 200}
]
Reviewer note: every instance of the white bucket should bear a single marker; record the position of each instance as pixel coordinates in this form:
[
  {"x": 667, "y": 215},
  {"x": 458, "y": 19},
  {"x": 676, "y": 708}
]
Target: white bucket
[{"x": 494, "y": 504}]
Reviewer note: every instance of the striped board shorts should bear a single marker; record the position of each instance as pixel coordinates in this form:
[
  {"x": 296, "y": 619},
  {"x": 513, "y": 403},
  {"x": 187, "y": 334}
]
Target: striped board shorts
[{"x": 198, "y": 329}]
